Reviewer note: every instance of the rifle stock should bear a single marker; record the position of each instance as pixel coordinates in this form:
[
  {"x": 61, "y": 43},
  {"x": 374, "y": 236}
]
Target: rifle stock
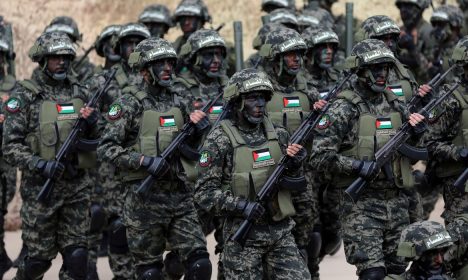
[{"x": 72, "y": 139}]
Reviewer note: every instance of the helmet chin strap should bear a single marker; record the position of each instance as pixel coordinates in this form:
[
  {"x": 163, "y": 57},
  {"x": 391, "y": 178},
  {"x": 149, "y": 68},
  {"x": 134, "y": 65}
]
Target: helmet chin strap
[
  {"x": 251, "y": 119},
  {"x": 55, "y": 76},
  {"x": 372, "y": 83},
  {"x": 157, "y": 81}
]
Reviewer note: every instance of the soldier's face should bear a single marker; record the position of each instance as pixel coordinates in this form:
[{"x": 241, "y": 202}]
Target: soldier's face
[
  {"x": 292, "y": 61},
  {"x": 433, "y": 260},
  {"x": 212, "y": 59},
  {"x": 128, "y": 45},
  {"x": 254, "y": 107},
  {"x": 441, "y": 30},
  {"x": 157, "y": 29},
  {"x": 189, "y": 24},
  {"x": 410, "y": 14},
  {"x": 324, "y": 55},
  {"x": 58, "y": 64},
  {"x": 391, "y": 40},
  {"x": 163, "y": 69}
]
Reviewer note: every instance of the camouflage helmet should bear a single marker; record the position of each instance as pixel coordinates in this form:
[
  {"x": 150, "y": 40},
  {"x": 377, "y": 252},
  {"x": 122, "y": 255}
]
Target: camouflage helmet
[
  {"x": 149, "y": 50},
  {"x": 423, "y": 236},
  {"x": 259, "y": 40},
  {"x": 316, "y": 35},
  {"x": 421, "y": 4},
  {"x": 200, "y": 39},
  {"x": 318, "y": 17},
  {"x": 67, "y": 25},
  {"x": 194, "y": 8},
  {"x": 376, "y": 26},
  {"x": 280, "y": 41},
  {"x": 283, "y": 16},
  {"x": 157, "y": 14},
  {"x": 460, "y": 52},
  {"x": 450, "y": 14},
  {"x": 107, "y": 33},
  {"x": 278, "y": 4},
  {"x": 130, "y": 29},
  {"x": 368, "y": 52},
  {"x": 51, "y": 43},
  {"x": 245, "y": 81}
]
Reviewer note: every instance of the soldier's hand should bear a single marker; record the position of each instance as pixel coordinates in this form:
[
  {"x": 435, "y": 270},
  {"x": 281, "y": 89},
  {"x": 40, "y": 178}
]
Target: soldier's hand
[
  {"x": 424, "y": 90},
  {"x": 197, "y": 116},
  {"x": 50, "y": 168},
  {"x": 415, "y": 119},
  {"x": 156, "y": 166},
  {"x": 293, "y": 150},
  {"x": 5, "y": 98},
  {"x": 366, "y": 169},
  {"x": 406, "y": 41},
  {"x": 318, "y": 105},
  {"x": 86, "y": 112},
  {"x": 250, "y": 210},
  {"x": 2, "y": 118}
]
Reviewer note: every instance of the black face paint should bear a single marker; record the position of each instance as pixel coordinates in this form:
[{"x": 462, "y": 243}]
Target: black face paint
[
  {"x": 376, "y": 76},
  {"x": 128, "y": 44},
  {"x": 109, "y": 52},
  {"x": 253, "y": 110},
  {"x": 57, "y": 66},
  {"x": 157, "y": 29},
  {"x": 161, "y": 72},
  {"x": 211, "y": 61},
  {"x": 189, "y": 24},
  {"x": 410, "y": 15},
  {"x": 430, "y": 265},
  {"x": 324, "y": 55},
  {"x": 391, "y": 40},
  {"x": 291, "y": 62},
  {"x": 441, "y": 31}
]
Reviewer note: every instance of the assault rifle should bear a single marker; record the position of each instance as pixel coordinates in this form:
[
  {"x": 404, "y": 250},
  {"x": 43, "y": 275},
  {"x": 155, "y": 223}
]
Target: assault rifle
[
  {"x": 187, "y": 130},
  {"x": 72, "y": 139},
  {"x": 461, "y": 180},
  {"x": 384, "y": 155},
  {"x": 301, "y": 135}
]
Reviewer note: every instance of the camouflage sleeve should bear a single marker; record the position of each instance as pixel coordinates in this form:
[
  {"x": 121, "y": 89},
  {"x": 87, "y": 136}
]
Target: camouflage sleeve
[
  {"x": 15, "y": 130},
  {"x": 184, "y": 95},
  {"x": 294, "y": 169},
  {"x": 332, "y": 129},
  {"x": 121, "y": 121},
  {"x": 214, "y": 169},
  {"x": 445, "y": 123}
]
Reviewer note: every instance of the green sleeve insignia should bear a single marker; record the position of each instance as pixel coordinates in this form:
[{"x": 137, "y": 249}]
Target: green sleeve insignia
[
  {"x": 115, "y": 112},
  {"x": 205, "y": 159},
  {"x": 324, "y": 122},
  {"x": 13, "y": 105}
]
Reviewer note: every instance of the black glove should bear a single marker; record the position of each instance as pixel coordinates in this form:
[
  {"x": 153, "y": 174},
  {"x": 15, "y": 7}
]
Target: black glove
[
  {"x": 365, "y": 169},
  {"x": 92, "y": 119},
  {"x": 202, "y": 126},
  {"x": 250, "y": 210},
  {"x": 406, "y": 42},
  {"x": 419, "y": 128},
  {"x": 50, "y": 168},
  {"x": 156, "y": 166}
]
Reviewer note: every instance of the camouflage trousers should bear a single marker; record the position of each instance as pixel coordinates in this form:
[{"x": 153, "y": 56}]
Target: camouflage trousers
[
  {"x": 167, "y": 218},
  {"x": 270, "y": 252},
  {"x": 371, "y": 228},
  {"x": 7, "y": 191},
  {"x": 53, "y": 227}
]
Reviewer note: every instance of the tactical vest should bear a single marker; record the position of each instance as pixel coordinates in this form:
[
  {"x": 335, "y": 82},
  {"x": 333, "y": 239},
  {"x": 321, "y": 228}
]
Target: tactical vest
[
  {"x": 253, "y": 165},
  {"x": 121, "y": 76},
  {"x": 452, "y": 168},
  {"x": 374, "y": 132},
  {"x": 402, "y": 87},
  {"x": 288, "y": 110},
  {"x": 195, "y": 90},
  {"x": 156, "y": 132},
  {"x": 55, "y": 124}
]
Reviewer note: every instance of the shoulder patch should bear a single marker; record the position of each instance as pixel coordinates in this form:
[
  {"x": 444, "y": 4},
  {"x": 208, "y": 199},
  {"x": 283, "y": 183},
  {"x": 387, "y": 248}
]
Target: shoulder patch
[
  {"x": 324, "y": 122},
  {"x": 13, "y": 105},
  {"x": 205, "y": 159},
  {"x": 115, "y": 112}
]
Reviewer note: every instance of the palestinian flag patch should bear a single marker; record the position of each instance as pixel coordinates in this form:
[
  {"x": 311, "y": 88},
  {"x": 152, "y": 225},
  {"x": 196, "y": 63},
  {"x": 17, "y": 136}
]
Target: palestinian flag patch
[
  {"x": 324, "y": 122},
  {"x": 262, "y": 158},
  {"x": 291, "y": 102},
  {"x": 166, "y": 121},
  {"x": 12, "y": 105},
  {"x": 115, "y": 112},
  {"x": 205, "y": 159},
  {"x": 383, "y": 123},
  {"x": 216, "y": 109},
  {"x": 65, "y": 108},
  {"x": 397, "y": 90}
]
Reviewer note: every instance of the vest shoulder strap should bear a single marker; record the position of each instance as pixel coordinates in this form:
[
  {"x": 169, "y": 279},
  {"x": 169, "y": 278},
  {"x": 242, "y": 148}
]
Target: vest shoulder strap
[
  {"x": 30, "y": 85},
  {"x": 121, "y": 77},
  {"x": 301, "y": 82},
  {"x": 270, "y": 129},
  {"x": 232, "y": 132},
  {"x": 354, "y": 99}
]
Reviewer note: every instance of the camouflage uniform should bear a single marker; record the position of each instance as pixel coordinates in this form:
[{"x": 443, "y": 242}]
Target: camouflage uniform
[
  {"x": 80, "y": 70},
  {"x": 371, "y": 226},
  {"x": 415, "y": 41},
  {"x": 223, "y": 188},
  {"x": 114, "y": 190},
  {"x": 167, "y": 214},
  {"x": 8, "y": 172},
  {"x": 326, "y": 198},
  {"x": 291, "y": 100},
  {"x": 61, "y": 224},
  {"x": 157, "y": 19},
  {"x": 447, "y": 146},
  {"x": 418, "y": 242}
]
